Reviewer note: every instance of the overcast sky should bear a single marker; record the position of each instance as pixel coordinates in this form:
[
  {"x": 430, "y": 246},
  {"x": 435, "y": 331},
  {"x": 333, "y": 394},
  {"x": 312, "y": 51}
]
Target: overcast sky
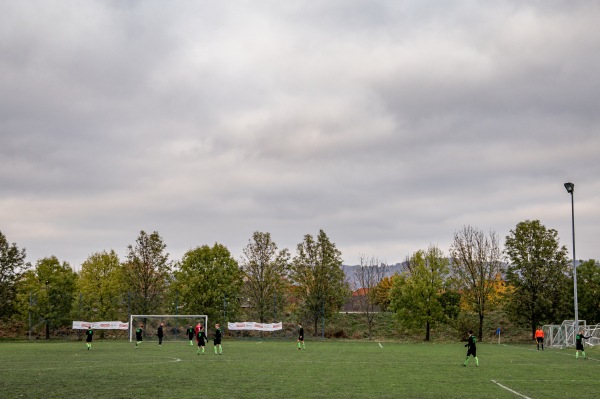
[{"x": 388, "y": 124}]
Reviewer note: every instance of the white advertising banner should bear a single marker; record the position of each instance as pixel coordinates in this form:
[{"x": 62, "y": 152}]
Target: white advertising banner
[
  {"x": 100, "y": 325},
  {"x": 251, "y": 325}
]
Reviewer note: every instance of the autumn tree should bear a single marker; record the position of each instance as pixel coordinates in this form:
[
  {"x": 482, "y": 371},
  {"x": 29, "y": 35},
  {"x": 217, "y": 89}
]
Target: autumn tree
[
  {"x": 265, "y": 270},
  {"x": 47, "y": 293},
  {"x": 101, "y": 287},
  {"x": 367, "y": 278},
  {"x": 317, "y": 273},
  {"x": 537, "y": 272},
  {"x": 12, "y": 264},
  {"x": 382, "y": 292},
  {"x": 146, "y": 272},
  {"x": 415, "y": 296},
  {"x": 476, "y": 264},
  {"x": 209, "y": 281}
]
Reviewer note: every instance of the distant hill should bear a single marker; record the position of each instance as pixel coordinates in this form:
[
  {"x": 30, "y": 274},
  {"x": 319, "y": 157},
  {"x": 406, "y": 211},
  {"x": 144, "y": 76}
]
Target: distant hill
[{"x": 350, "y": 271}]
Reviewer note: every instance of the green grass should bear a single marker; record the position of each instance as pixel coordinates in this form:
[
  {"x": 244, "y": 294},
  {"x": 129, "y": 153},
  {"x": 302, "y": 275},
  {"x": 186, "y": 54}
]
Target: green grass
[{"x": 276, "y": 369}]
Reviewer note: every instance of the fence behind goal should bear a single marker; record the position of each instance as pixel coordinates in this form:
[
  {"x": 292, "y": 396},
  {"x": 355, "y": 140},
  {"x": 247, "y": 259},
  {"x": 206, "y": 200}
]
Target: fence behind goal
[
  {"x": 174, "y": 328},
  {"x": 563, "y": 336}
]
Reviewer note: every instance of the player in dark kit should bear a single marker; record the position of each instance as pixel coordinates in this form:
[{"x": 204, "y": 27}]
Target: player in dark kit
[
  {"x": 190, "y": 333},
  {"x": 88, "y": 337},
  {"x": 217, "y": 339},
  {"x": 301, "y": 337},
  {"x": 138, "y": 335},
  {"x": 160, "y": 334},
  {"x": 579, "y": 344},
  {"x": 202, "y": 339},
  {"x": 472, "y": 349}
]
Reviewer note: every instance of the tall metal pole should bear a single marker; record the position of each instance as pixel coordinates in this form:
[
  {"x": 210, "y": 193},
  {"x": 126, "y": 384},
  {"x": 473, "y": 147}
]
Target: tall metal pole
[
  {"x": 574, "y": 264},
  {"x": 571, "y": 189}
]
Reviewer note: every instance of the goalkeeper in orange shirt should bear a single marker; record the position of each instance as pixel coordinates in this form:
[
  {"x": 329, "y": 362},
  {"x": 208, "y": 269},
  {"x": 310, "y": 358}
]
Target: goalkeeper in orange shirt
[{"x": 539, "y": 337}]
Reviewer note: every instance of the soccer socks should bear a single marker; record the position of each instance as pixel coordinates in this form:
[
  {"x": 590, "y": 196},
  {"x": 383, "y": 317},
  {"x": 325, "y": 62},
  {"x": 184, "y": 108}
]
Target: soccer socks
[
  {"x": 466, "y": 362},
  {"x": 220, "y": 350},
  {"x": 299, "y": 345},
  {"x": 476, "y": 362},
  {"x": 577, "y": 355},
  {"x": 215, "y": 349},
  {"x": 583, "y": 352},
  {"x": 303, "y": 345},
  {"x": 191, "y": 344},
  {"x": 89, "y": 345}
]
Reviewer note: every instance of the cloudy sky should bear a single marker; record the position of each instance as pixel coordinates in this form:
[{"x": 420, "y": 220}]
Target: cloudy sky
[{"x": 388, "y": 124}]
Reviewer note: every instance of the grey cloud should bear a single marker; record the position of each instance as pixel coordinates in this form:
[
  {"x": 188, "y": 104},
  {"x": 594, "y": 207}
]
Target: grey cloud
[{"x": 388, "y": 124}]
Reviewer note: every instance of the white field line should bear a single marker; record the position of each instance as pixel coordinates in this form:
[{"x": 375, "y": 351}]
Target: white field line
[{"x": 510, "y": 390}]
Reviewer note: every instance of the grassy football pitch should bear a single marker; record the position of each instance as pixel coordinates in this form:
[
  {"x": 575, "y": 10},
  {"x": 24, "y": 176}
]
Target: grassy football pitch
[{"x": 276, "y": 369}]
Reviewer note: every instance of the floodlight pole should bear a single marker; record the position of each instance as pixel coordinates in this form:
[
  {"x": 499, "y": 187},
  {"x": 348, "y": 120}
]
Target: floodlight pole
[{"x": 570, "y": 189}]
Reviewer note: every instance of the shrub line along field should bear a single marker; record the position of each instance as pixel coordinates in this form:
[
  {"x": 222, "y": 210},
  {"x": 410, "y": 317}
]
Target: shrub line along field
[{"x": 276, "y": 369}]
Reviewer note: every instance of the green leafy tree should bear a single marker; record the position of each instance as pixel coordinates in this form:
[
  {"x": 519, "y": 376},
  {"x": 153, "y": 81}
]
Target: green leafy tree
[
  {"x": 537, "y": 273},
  {"x": 12, "y": 264},
  {"x": 317, "y": 272},
  {"x": 146, "y": 273},
  {"x": 265, "y": 270},
  {"x": 476, "y": 265},
  {"x": 415, "y": 296},
  {"x": 450, "y": 301},
  {"x": 209, "y": 281},
  {"x": 101, "y": 288},
  {"x": 588, "y": 291},
  {"x": 48, "y": 292}
]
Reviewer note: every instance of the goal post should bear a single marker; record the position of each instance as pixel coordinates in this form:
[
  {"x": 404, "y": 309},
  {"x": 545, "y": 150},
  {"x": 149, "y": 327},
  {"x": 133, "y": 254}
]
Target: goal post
[{"x": 174, "y": 328}]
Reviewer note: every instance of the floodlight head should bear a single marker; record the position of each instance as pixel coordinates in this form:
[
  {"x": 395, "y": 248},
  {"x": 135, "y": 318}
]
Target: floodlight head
[{"x": 570, "y": 187}]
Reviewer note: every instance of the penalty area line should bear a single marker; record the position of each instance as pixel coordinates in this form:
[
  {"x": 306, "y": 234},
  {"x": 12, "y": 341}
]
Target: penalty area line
[{"x": 510, "y": 390}]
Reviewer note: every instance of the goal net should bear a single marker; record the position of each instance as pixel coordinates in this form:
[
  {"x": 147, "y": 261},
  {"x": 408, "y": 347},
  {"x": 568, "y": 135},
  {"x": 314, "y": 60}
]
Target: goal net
[
  {"x": 174, "y": 326},
  {"x": 563, "y": 336}
]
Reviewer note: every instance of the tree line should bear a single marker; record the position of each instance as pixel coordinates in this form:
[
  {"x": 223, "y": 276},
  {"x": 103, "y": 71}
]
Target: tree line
[
  {"x": 207, "y": 280},
  {"x": 530, "y": 279}
]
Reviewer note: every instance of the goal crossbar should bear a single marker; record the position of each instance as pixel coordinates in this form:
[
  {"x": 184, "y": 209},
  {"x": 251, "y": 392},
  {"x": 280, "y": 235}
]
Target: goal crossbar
[{"x": 164, "y": 316}]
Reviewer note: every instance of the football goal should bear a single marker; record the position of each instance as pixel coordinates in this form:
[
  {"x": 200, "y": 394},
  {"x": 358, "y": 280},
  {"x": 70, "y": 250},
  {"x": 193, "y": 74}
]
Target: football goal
[
  {"x": 563, "y": 336},
  {"x": 174, "y": 326}
]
